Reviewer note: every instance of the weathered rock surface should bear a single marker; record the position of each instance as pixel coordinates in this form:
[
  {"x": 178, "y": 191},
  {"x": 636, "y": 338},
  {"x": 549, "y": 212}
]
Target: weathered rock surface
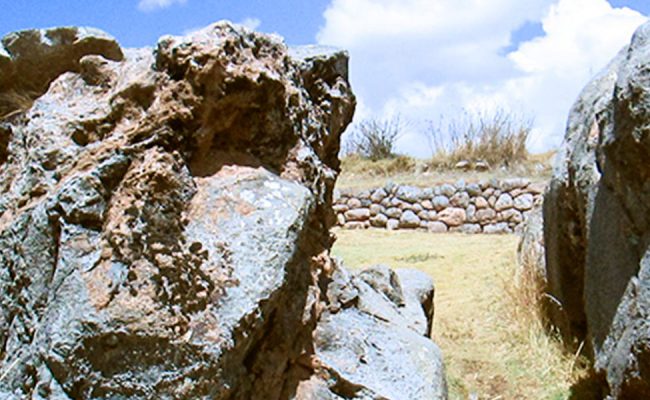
[
  {"x": 30, "y": 60},
  {"x": 372, "y": 340},
  {"x": 164, "y": 228},
  {"x": 596, "y": 222}
]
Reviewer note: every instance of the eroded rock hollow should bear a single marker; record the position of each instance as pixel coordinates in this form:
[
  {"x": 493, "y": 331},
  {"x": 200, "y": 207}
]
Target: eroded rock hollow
[{"x": 164, "y": 227}]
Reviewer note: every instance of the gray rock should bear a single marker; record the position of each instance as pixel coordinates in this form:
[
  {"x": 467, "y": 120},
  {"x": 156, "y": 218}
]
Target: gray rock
[
  {"x": 356, "y": 225},
  {"x": 416, "y": 208},
  {"x": 378, "y": 195},
  {"x": 492, "y": 201},
  {"x": 379, "y": 221},
  {"x": 384, "y": 281},
  {"x": 468, "y": 228},
  {"x": 617, "y": 271},
  {"x": 524, "y": 202},
  {"x": 139, "y": 258},
  {"x": 392, "y": 224},
  {"x": 474, "y": 189},
  {"x": 353, "y": 203},
  {"x": 358, "y": 214},
  {"x": 470, "y": 211},
  {"x": 460, "y": 199},
  {"x": 418, "y": 290},
  {"x": 511, "y": 215},
  {"x": 447, "y": 190},
  {"x": 365, "y": 202},
  {"x": 530, "y": 251},
  {"x": 394, "y": 213},
  {"x": 377, "y": 349},
  {"x": 596, "y": 223},
  {"x": 423, "y": 215},
  {"x": 376, "y": 209},
  {"x": 409, "y": 220},
  {"x": 390, "y": 187},
  {"x": 426, "y": 193},
  {"x": 485, "y": 215},
  {"x": 403, "y": 205},
  {"x": 498, "y": 228},
  {"x": 364, "y": 195},
  {"x": 437, "y": 227},
  {"x": 410, "y": 194},
  {"x": 504, "y": 202},
  {"x": 440, "y": 202},
  {"x": 570, "y": 200},
  {"x": 340, "y": 219},
  {"x": 514, "y": 183}
]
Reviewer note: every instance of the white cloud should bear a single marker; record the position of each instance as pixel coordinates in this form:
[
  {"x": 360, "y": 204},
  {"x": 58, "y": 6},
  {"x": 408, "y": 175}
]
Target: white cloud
[
  {"x": 423, "y": 58},
  {"x": 151, "y": 5},
  {"x": 251, "y": 23}
]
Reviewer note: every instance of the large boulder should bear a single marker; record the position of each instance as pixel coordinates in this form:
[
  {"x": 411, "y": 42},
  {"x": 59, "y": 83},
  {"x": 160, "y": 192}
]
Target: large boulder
[
  {"x": 597, "y": 225},
  {"x": 164, "y": 228},
  {"x": 568, "y": 202},
  {"x": 162, "y": 214},
  {"x": 371, "y": 342},
  {"x": 31, "y": 59}
]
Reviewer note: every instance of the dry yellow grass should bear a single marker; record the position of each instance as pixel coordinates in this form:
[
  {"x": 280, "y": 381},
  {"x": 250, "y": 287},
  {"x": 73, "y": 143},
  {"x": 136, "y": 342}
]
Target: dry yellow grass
[
  {"x": 359, "y": 173},
  {"x": 493, "y": 348}
]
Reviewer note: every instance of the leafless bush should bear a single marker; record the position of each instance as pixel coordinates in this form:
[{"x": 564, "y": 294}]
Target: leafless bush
[{"x": 375, "y": 139}]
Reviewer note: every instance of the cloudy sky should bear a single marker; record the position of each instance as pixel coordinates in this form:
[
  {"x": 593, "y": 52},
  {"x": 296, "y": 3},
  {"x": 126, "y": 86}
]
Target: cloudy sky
[{"x": 421, "y": 59}]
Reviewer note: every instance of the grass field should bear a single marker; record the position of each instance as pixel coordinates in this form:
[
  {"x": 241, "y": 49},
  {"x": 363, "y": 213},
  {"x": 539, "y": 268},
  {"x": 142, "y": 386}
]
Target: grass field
[{"x": 492, "y": 349}]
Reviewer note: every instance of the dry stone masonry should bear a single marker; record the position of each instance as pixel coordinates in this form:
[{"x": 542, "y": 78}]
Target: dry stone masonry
[{"x": 489, "y": 206}]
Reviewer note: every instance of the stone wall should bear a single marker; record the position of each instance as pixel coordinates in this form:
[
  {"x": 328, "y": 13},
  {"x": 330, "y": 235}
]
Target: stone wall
[{"x": 489, "y": 206}]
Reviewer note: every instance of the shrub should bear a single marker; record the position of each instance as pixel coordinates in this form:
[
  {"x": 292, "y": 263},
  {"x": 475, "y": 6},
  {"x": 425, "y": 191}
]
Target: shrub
[
  {"x": 375, "y": 139},
  {"x": 497, "y": 138}
]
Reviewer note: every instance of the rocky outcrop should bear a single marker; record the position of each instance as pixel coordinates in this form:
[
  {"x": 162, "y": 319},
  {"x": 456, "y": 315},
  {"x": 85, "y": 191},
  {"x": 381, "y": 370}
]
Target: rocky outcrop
[
  {"x": 596, "y": 222},
  {"x": 30, "y": 60},
  {"x": 372, "y": 342},
  {"x": 489, "y": 206},
  {"x": 164, "y": 227}
]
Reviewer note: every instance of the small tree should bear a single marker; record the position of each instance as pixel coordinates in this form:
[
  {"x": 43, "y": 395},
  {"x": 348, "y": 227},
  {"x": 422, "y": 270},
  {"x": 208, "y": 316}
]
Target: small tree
[{"x": 375, "y": 139}]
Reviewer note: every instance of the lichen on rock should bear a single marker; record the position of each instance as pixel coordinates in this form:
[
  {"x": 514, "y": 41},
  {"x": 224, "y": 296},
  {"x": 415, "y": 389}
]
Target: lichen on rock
[{"x": 165, "y": 214}]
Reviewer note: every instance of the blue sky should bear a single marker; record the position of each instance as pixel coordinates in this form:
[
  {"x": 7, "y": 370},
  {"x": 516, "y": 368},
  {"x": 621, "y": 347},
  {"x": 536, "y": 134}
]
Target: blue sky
[
  {"x": 297, "y": 20},
  {"x": 419, "y": 59}
]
